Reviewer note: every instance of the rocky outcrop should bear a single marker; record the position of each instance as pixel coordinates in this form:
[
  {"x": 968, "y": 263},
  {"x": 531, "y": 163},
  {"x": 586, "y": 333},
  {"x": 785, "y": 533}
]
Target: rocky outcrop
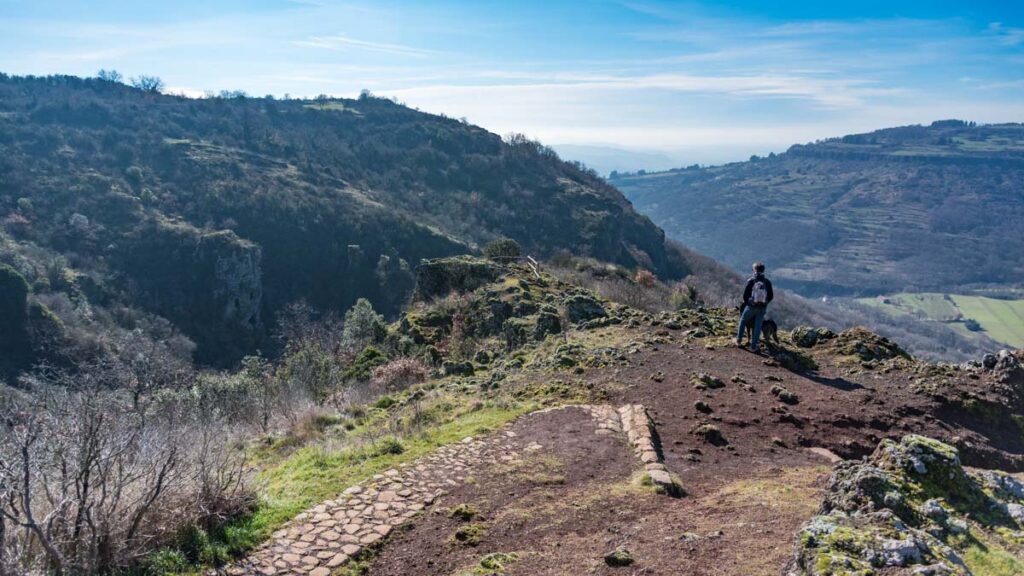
[
  {"x": 441, "y": 276},
  {"x": 1006, "y": 367},
  {"x": 207, "y": 283},
  {"x": 912, "y": 508},
  {"x": 862, "y": 345}
]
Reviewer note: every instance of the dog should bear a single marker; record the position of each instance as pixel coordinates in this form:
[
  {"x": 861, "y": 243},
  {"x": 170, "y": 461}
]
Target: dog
[{"x": 769, "y": 329}]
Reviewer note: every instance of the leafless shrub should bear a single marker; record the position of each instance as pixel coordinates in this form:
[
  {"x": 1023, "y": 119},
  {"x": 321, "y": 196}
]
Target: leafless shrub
[
  {"x": 91, "y": 480},
  {"x": 399, "y": 374}
]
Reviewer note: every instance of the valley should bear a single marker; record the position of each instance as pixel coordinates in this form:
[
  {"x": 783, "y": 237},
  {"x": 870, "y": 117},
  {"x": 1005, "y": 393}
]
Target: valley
[
  {"x": 342, "y": 337},
  {"x": 912, "y": 209}
]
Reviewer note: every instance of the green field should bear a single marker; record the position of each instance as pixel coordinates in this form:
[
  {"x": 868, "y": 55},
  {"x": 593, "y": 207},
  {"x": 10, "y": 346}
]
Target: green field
[{"x": 1001, "y": 320}]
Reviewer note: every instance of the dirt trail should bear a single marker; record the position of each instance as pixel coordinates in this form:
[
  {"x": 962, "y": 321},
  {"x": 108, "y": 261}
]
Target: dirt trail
[{"x": 750, "y": 442}]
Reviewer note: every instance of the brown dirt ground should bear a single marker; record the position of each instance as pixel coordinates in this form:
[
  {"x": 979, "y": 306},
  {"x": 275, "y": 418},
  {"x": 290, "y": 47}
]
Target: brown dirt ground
[{"x": 572, "y": 502}]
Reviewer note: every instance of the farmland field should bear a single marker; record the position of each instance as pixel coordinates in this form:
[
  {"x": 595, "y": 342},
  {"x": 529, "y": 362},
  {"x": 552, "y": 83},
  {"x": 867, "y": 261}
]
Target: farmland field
[{"x": 1001, "y": 320}]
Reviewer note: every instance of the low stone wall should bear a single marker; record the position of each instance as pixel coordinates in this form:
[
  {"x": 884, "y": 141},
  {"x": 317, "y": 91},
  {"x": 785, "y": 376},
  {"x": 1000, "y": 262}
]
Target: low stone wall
[
  {"x": 633, "y": 421},
  {"x": 640, "y": 430}
]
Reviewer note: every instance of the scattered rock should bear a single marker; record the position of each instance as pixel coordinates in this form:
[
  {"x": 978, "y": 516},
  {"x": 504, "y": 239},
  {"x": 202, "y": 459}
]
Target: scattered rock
[
  {"x": 702, "y": 406},
  {"x": 784, "y": 395},
  {"x": 619, "y": 557},
  {"x": 710, "y": 434},
  {"x": 705, "y": 381}
]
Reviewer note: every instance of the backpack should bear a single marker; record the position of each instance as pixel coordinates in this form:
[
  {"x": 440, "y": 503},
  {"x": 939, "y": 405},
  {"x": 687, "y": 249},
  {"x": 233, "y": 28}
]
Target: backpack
[{"x": 759, "y": 293}]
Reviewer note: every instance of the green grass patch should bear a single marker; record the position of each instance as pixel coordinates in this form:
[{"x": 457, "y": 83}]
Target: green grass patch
[
  {"x": 986, "y": 560},
  {"x": 313, "y": 474}
]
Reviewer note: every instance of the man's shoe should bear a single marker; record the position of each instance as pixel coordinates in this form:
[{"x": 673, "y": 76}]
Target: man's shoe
[{"x": 739, "y": 343}]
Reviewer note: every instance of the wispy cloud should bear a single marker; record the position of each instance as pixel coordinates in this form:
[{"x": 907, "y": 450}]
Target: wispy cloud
[
  {"x": 631, "y": 72},
  {"x": 343, "y": 42},
  {"x": 1007, "y": 35}
]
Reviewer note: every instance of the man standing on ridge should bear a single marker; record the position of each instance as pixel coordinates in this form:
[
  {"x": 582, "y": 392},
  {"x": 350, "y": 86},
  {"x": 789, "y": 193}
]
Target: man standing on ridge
[{"x": 756, "y": 297}]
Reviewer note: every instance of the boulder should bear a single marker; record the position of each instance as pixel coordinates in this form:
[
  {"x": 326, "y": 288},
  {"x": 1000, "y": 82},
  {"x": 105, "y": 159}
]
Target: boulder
[
  {"x": 583, "y": 307},
  {"x": 457, "y": 368},
  {"x": 619, "y": 557},
  {"x": 548, "y": 322},
  {"x": 1007, "y": 369},
  {"x": 804, "y": 336}
]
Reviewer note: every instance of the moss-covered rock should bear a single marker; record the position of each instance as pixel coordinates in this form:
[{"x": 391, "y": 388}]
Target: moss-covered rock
[
  {"x": 807, "y": 337},
  {"x": 911, "y": 508},
  {"x": 705, "y": 381},
  {"x": 548, "y": 322},
  {"x": 619, "y": 557},
  {"x": 583, "y": 307},
  {"x": 452, "y": 368},
  {"x": 863, "y": 345},
  {"x": 441, "y": 276}
]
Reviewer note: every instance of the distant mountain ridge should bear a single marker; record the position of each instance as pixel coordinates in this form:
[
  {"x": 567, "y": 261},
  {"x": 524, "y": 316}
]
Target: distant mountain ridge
[
  {"x": 935, "y": 207},
  {"x": 216, "y": 213}
]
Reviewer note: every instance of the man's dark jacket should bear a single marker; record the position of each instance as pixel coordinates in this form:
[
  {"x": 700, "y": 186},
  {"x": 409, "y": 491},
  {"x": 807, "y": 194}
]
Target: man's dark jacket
[{"x": 750, "y": 288}]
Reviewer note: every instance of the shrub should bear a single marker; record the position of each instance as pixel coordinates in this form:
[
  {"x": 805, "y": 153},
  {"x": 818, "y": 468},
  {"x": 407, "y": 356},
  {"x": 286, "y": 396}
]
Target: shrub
[
  {"x": 503, "y": 249},
  {"x": 385, "y": 402},
  {"x": 683, "y": 296},
  {"x": 129, "y": 478},
  {"x": 363, "y": 365},
  {"x": 388, "y": 445},
  {"x": 363, "y": 326},
  {"x": 645, "y": 278},
  {"x": 399, "y": 374}
]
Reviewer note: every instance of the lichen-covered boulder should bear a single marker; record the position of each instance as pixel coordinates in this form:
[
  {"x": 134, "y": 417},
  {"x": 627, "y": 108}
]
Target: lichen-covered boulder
[
  {"x": 925, "y": 461},
  {"x": 864, "y": 345},
  {"x": 804, "y": 336},
  {"x": 548, "y": 322},
  {"x": 583, "y": 307},
  {"x": 807, "y": 337},
  {"x": 912, "y": 509}
]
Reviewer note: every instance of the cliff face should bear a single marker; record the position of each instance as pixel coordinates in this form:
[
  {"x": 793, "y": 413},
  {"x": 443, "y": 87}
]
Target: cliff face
[{"x": 209, "y": 284}]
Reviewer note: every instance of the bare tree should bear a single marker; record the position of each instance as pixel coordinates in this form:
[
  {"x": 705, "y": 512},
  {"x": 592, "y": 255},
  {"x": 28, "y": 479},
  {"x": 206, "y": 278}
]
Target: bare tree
[
  {"x": 110, "y": 75},
  {"x": 148, "y": 83}
]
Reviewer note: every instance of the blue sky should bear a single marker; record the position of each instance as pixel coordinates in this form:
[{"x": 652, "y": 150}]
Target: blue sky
[{"x": 698, "y": 80}]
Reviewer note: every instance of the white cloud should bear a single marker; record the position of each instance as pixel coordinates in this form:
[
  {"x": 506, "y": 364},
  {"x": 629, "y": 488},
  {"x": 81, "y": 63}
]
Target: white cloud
[
  {"x": 1007, "y": 35},
  {"x": 343, "y": 42}
]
